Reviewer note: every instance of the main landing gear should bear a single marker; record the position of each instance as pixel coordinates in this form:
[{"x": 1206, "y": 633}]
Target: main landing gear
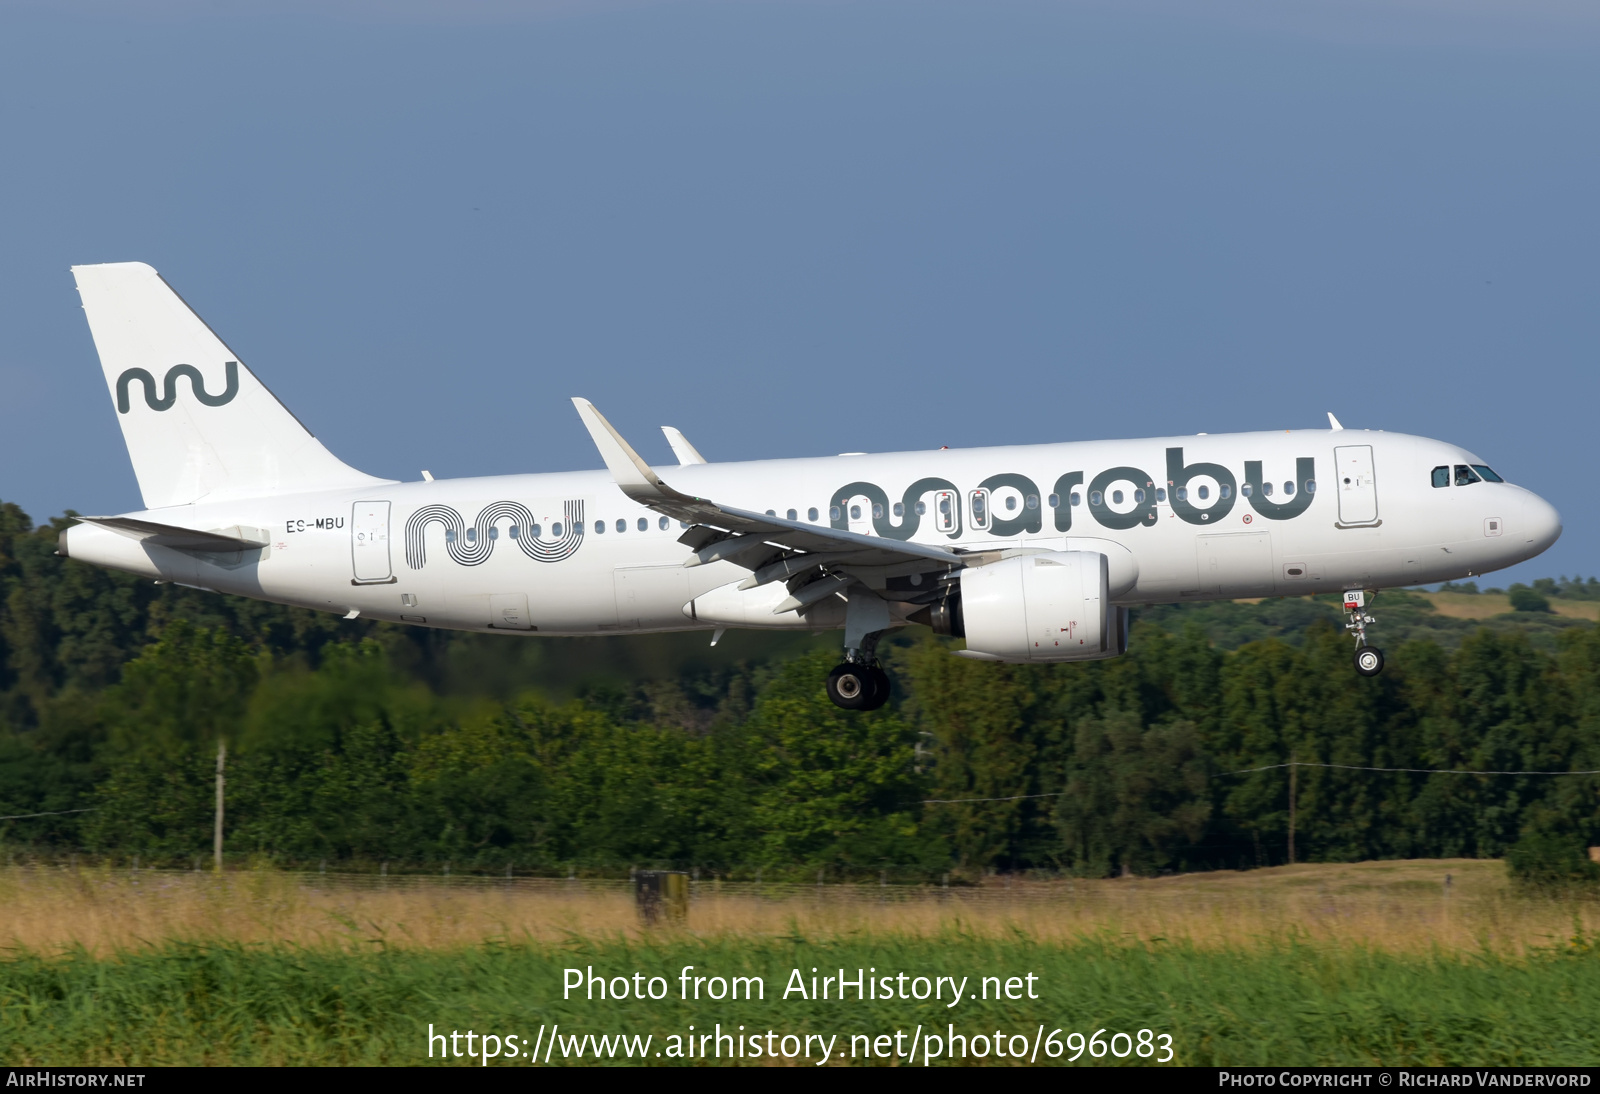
[
  {"x": 856, "y": 686},
  {"x": 859, "y": 683},
  {"x": 1369, "y": 659}
]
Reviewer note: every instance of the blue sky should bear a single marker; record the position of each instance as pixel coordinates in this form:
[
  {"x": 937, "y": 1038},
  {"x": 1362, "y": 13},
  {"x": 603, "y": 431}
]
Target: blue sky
[{"x": 802, "y": 228}]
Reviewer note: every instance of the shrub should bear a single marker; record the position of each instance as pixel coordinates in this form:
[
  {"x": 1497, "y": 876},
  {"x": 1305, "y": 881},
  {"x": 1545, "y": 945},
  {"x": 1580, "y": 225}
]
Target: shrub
[
  {"x": 1524, "y": 599},
  {"x": 1549, "y": 860}
]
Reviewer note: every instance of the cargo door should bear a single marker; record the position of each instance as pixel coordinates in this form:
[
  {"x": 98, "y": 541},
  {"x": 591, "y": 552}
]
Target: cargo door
[
  {"x": 1357, "y": 484},
  {"x": 652, "y": 597},
  {"x": 509, "y": 612},
  {"x": 1235, "y": 565},
  {"x": 369, "y": 543}
]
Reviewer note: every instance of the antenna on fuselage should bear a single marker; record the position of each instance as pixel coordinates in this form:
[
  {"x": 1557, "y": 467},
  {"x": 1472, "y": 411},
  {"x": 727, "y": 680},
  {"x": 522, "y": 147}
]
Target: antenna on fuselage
[{"x": 1333, "y": 423}]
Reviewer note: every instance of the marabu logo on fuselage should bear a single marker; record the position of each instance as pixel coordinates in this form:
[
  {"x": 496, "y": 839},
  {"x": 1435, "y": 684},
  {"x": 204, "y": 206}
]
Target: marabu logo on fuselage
[
  {"x": 902, "y": 520},
  {"x": 472, "y": 546},
  {"x": 197, "y": 384}
]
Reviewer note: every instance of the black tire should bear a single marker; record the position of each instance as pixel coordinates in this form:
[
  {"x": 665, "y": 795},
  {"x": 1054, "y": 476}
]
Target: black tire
[
  {"x": 1369, "y": 660},
  {"x": 853, "y": 687},
  {"x": 880, "y": 688}
]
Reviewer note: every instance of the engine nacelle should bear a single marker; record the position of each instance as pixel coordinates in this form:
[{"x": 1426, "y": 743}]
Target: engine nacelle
[{"x": 1054, "y": 606}]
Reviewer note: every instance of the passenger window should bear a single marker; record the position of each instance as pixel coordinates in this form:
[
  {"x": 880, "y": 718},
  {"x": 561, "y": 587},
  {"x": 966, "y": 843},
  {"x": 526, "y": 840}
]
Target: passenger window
[
  {"x": 472, "y": 535},
  {"x": 790, "y": 515},
  {"x": 555, "y": 529},
  {"x": 1465, "y": 475},
  {"x": 1138, "y": 497},
  {"x": 1204, "y": 492},
  {"x": 1033, "y": 501},
  {"x": 664, "y": 523},
  {"x": 1181, "y": 493},
  {"x": 1161, "y": 494},
  {"x": 855, "y": 512},
  {"x": 1441, "y": 476},
  {"x": 1075, "y": 497},
  {"x": 1224, "y": 491},
  {"x": 1094, "y": 497},
  {"x": 833, "y": 512},
  {"x": 1288, "y": 489},
  {"x": 600, "y": 527},
  {"x": 899, "y": 509},
  {"x": 1266, "y": 489},
  {"x": 1055, "y": 501},
  {"x": 644, "y": 524},
  {"x": 1311, "y": 486},
  {"x": 1116, "y": 497},
  {"x": 772, "y": 512},
  {"x": 494, "y": 533},
  {"x": 622, "y": 525},
  {"x": 1245, "y": 490},
  {"x": 811, "y": 514},
  {"x": 449, "y": 535},
  {"x": 1011, "y": 502},
  {"x": 1486, "y": 473},
  {"x": 877, "y": 512}
]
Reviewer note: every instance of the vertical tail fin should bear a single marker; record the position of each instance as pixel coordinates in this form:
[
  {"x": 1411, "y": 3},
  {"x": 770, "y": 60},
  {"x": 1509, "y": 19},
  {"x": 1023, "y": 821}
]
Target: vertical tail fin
[{"x": 197, "y": 422}]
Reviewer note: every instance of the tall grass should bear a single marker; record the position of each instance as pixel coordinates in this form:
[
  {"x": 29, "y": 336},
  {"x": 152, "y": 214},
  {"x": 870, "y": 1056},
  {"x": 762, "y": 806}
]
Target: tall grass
[{"x": 1373, "y": 964}]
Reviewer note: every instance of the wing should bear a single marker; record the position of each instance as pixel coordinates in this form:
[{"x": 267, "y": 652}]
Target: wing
[
  {"x": 184, "y": 539},
  {"x": 774, "y": 548}
]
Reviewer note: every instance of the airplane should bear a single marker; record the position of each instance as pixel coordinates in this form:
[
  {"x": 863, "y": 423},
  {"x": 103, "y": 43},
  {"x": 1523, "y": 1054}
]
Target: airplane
[{"x": 1031, "y": 553}]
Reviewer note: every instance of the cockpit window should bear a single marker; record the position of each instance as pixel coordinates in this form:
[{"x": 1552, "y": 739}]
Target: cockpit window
[
  {"x": 1441, "y": 476},
  {"x": 1465, "y": 476},
  {"x": 1488, "y": 475}
]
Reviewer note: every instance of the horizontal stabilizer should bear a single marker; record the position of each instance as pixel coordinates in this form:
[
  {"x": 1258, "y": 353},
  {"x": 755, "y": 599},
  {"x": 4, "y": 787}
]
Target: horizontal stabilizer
[{"x": 184, "y": 539}]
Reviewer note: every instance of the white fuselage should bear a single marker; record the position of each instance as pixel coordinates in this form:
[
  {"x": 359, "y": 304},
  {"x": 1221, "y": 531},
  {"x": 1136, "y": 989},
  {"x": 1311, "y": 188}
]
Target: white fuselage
[{"x": 436, "y": 553}]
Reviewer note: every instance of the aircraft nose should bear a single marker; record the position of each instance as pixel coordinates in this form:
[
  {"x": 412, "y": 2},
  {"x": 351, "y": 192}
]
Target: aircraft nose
[{"x": 1541, "y": 523}]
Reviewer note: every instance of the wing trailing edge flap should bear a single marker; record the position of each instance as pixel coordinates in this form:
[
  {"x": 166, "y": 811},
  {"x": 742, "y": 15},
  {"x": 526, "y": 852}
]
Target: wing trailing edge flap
[
  {"x": 774, "y": 548},
  {"x": 220, "y": 541}
]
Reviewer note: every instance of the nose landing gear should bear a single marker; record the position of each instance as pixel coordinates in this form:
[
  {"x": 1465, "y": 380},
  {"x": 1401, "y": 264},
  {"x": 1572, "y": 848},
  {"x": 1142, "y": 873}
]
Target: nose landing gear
[{"x": 1369, "y": 659}]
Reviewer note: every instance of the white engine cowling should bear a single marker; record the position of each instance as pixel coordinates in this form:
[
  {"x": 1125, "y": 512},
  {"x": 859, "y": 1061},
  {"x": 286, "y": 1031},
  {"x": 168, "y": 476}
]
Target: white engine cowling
[{"x": 1046, "y": 607}]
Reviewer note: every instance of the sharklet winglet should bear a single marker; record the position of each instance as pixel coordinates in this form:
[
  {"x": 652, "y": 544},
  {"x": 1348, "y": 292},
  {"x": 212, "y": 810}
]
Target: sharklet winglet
[{"x": 631, "y": 474}]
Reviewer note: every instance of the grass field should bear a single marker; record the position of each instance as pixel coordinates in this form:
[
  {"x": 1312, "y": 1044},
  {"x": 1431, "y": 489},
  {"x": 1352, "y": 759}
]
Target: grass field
[
  {"x": 1489, "y": 605},
  {"x": 1370, "y": 963}
]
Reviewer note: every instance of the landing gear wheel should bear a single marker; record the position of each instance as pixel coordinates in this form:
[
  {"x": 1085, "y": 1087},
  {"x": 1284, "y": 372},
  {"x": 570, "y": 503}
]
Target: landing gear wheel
[
  {"x": 858, "y": 687},
  {"x": 880, "y": 689},
  {"x": 1369, "y": 660},
  {"x": 852, "y": 686}
]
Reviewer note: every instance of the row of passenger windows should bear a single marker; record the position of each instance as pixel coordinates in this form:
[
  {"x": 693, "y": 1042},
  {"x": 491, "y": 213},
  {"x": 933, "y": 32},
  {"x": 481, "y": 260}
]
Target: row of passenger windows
[
  {"x": 1465, "y": 475},
  {"x": 979, "y": 505},
  {"x": 557, "y": 528}
]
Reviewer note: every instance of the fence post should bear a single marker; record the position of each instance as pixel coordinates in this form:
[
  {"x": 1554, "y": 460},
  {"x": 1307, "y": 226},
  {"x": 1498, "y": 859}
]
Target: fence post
[
  {"x": 216, "y": 835},
  {"x": 659, "y": 893},
  {"x": 1293, "y": 770}
]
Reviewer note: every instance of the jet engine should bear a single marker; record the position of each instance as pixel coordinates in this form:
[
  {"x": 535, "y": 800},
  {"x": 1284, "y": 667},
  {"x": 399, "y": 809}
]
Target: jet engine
[{"x": 1054, "y": 606}]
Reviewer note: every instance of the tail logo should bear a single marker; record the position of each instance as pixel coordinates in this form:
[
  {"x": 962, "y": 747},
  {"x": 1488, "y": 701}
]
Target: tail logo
[
  {"x": 473, "y": 546},
  {"x": 197, "y": 384}
]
